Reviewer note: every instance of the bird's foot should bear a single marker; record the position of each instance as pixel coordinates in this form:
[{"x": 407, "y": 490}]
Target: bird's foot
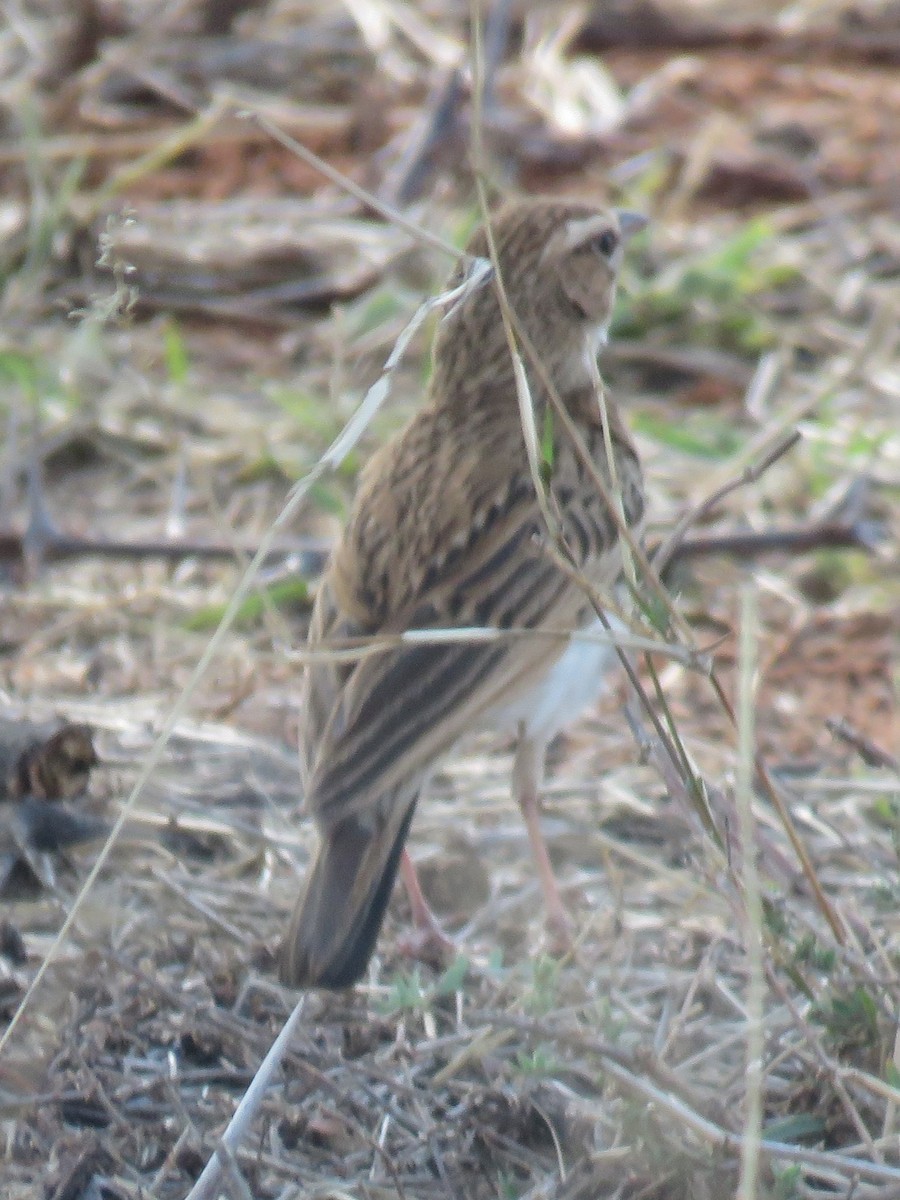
[
  {"x": 559, "y": 938},
  {"x": 428, "y": 943}
]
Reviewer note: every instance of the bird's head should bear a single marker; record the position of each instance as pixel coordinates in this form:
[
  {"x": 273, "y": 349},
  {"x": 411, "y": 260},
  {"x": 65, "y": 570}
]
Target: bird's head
[{"x": 560, "y": 262}]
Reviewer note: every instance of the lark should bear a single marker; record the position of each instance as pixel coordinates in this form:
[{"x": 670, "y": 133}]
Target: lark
[{"x": 447, "y": 532}]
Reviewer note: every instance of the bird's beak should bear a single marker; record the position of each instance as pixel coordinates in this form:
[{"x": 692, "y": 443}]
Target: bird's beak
[{"x": 630, "y": 223}]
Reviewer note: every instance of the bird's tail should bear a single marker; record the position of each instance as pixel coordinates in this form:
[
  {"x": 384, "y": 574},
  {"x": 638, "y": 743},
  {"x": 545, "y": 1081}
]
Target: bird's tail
[{"x": 335, "y": 925}]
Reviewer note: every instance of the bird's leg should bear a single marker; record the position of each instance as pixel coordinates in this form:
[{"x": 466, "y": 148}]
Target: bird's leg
[
  {"x": 428, "y": 939},
  {"x": 423, "y": 917},
  {"x": 527, "y": 777}
]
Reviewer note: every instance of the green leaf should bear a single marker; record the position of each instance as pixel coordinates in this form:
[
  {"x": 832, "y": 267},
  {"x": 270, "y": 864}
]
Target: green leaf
[
  {"x": 309, "y": 411},
  {"x": 544, "y": 985},
  {"x": 794, "y": 1128},
  {"x": 548, "y": 446},
  {"x": 716, "y": 443},
  {"x": 327, "y": 499},
  {"x": 851, "y": 1019},
  {"x": 453, "y": 978},
  {"x": 380, "y": 307},
  {"x": 809, "y": 951},
  {"x": 406, "y": 994},
  {"x": 787, "y": 1182},
  {"x": 266, "y": 466},
  {"x": 734, "y": 256},
  {"x": 774, "y": 919},
  {"x": 19, "y": 368},
  {"x": 287, "y": 593},
  {"x": 176, "y": 354},
  {"x": 539, "y": 1061},
  {"x": 655, "y": 611}
]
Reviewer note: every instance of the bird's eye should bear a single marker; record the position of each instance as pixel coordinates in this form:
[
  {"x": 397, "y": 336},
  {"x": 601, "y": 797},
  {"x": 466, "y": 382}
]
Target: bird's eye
[{"x": 606, "y": 243}]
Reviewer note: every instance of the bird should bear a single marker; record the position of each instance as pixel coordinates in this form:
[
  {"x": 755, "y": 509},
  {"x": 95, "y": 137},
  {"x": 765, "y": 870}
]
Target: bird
[{"x": 447, "y": 531}]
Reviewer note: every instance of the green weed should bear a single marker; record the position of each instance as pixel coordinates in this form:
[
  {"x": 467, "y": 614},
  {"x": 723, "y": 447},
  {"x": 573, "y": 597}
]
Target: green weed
[
  {"x": 542, "y": 996},
  {"x": 539, "y": 1062},
  {"x": 850, "y": 1021},
  {"x": 714, "y": 293},
  {"x": 290, "y": 594},
  {"x": 409, "y": 994},
  {"x": 175, "y": 352}
]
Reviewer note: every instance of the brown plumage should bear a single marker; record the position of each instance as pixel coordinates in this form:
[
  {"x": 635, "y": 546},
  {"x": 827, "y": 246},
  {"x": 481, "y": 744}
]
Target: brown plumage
[{"x": 446, "y": 531}]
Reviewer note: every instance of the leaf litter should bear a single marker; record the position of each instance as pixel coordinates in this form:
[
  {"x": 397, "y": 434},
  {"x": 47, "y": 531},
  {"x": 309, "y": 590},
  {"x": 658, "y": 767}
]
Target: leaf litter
[{"x": 620, "y": 1071}]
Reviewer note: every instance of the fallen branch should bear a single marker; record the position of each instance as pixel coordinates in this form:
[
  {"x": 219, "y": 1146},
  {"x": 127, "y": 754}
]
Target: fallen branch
[
  {"x": 870, "y": 752},
  {"x": 51, "y": 545},
  {"x": 58, "y": 547}
]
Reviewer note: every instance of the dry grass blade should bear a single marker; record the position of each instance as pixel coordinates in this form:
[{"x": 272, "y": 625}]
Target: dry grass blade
[
  {"x": 842, "y": 1168},
  {"x": 514, "y": 331},
  {"x": 208, "y": 1184},
  {"x": 641, "y": 1076},
  {"x": 162, "y": 152},
  {"x": 523, "y": 392},
  {"x": 356, "y": 649},
  {"x": 650, "y": 576},
  {"x": 753, "y": 1104},
  {"x": 663, "y": 556},
  {"x": 329, "y": 461},
  {"x": 619, "y": 1072},
  {"x": 365, "y": 197}
]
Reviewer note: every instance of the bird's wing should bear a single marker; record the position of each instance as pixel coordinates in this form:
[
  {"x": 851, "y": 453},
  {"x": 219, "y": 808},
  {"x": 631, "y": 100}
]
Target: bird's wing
[
  {"x": 399, "y": 710},
  {"x": 379, "y": 723}
]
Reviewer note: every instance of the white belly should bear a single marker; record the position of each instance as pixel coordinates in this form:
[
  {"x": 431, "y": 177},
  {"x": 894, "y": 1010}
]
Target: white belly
[{"x": 575, "y": 681}]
